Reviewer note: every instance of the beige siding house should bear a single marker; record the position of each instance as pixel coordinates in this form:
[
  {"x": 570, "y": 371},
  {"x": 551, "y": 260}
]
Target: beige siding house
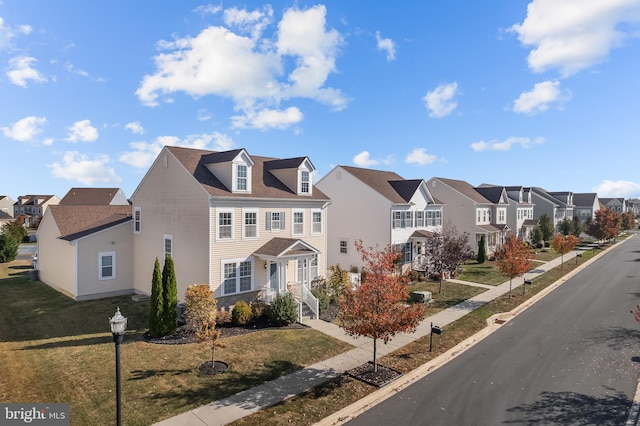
[
  {"x": 31, "y": 208},
  {"x": 379, "y": 208},
  {"x": 86, "y": 251},
  {"x": 250, "y": 227}
]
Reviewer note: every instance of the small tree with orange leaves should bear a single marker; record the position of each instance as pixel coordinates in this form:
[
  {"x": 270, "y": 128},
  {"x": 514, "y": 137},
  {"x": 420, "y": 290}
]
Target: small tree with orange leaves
[
  {"x": 512, "y": 259},
  {"x": 377, "y": 308},
  {"x": 200, "y": 316},
  {"x": 563, "y": 244}
]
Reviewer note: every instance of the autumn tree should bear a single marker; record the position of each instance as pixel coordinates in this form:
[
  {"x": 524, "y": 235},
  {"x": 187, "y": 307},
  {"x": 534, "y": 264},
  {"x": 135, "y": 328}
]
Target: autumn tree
[
  {"x": 512, "y": 258},
  {"x": 605, "y": 226},
  {"x": 156, "y": 305},
  {"x": 546, "y": 226},
  {"x": 377, "y": 308},
  {"x": 446, "y": 251},
  {"x": 627, "y": 221},
  {"x": 200, "y": 316},
  {"x": 563, "y": 244}
]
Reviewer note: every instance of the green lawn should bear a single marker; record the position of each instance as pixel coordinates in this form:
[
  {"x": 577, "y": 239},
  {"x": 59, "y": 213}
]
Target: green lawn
[
  {"x": 483, "y": 273},
  {"x": 452, "y": 293},
  {"x": 54, "y": 349}
]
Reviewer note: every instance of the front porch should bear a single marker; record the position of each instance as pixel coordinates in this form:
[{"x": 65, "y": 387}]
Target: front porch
[{"x": 290, "y": 266}]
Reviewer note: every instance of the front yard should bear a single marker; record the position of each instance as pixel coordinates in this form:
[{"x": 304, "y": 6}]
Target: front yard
[{"x": 53, "y": 349}]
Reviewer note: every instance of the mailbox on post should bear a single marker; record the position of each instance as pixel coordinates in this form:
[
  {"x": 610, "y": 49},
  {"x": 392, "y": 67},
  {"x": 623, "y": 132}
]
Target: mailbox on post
[{"x": 434, "y": 330}]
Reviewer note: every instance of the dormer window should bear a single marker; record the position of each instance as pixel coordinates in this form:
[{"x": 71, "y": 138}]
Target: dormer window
[
  {"x": 242, "y": 178},
  {"x": 304, "y": 182}
]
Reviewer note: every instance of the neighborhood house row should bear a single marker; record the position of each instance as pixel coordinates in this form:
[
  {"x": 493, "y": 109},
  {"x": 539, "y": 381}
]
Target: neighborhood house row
[{"x": 253, "y": 227}]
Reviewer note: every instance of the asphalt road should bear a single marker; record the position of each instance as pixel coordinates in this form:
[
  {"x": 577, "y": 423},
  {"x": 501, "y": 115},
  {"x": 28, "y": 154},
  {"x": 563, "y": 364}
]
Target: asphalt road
[{"x": 573, "y": 358}]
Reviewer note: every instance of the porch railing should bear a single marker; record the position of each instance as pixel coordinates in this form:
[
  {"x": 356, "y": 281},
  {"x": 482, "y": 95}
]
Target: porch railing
[{"x": 302, "y": 293}]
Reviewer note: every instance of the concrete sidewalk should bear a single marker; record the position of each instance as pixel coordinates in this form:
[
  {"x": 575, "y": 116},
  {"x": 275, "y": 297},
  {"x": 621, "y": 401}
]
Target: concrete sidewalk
[{"x": 242, "y": 404}]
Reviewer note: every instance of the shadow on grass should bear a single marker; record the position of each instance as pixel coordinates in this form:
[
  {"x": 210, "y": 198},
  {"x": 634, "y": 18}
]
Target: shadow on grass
[
  {"x": 572, "y": 408},
  {"x": 214, "y": 390},
  {"x": 87, "y": 341},
  {"x": 146, "y": 374}
]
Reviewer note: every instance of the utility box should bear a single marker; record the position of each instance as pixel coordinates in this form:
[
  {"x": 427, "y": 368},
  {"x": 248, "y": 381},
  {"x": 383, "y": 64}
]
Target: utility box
[{"x": 421, "y": 296}]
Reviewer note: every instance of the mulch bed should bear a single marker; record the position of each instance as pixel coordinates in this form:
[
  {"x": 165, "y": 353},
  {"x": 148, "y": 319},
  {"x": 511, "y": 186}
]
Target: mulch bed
[
  {"x": 380, "y": 378},
  {"x": 210, "y": 369},
  {"x": 184, "y": 336},
  {"x": 331, "y": 313}
]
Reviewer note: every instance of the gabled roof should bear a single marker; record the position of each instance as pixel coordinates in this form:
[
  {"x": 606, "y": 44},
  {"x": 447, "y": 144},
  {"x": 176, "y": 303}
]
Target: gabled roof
[
  {"x": 5, "y": 216},
  {"x": 287, "y": 163},
  {"x": 263, "y": 183},
  {"x": 465, "y": 189},
  {"x": 75, "y": 221},
  {"x": 584, "y": 199},
  {"x": 285, "y": 247},
  {"x": 27, "y": 200},
  {"x": 545, "y": 195},
  {"x": 492, "y": 193},
  {"x": 606, "y": 201},
  {"x": 89, "y": 196},
  {"x": 390, "y": 185},
  {"x": 221, "y": 156}
]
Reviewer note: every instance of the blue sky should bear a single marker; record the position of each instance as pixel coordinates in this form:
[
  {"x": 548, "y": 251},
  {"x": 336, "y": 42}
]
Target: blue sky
[{"x": 511, "y": 92}]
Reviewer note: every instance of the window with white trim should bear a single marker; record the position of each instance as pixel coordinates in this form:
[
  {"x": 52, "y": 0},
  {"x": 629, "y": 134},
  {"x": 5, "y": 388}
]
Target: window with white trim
[
  {"x": 274, "y": 221},
  {"x": 314, "y": 267},
  {"x": 305, "y": 183},
  {"x": 168, "y": 245},
  {"x": 407, "y": 252},
  {"x": 434, "y": 218},
  {"x": 250, "y": 224},
  {"x": 298, "y": 222},
  {"x": 107, "y": 265},
  {"x": 241, "y": 177},
  {"x": 316, "y": 221},
  {"x": 502, "y": 215},
  {"x": 225, "y": 225},
  {"x": 343, "y": 247},
  {"x": 137, "y": 219},
  {"x": 419, "y": 219},
  {"x": 237, "y": 276}
]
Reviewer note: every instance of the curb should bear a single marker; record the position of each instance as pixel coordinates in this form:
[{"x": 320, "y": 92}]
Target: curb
[{"x": 352, "y": 411}]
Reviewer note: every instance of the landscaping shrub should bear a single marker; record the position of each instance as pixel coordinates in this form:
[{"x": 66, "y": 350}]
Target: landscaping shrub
[
  {"x": 169, "y": 322},
  {"x": 283, "y": 310},
  {"x": 415, "y": 276},
  {"x": 156, "y": 306},
  {"x": 241, "y": 313},
  {"x": 223, "y": 316},
  {"x": 8, "y": 248},
  {"x": 482, "y": 250},
  {"x": 323, "y": 299},
  {"x": 259, "y": 310},
  {"x": 338, "y": 281},
  {"x": 200, "y": 308}
]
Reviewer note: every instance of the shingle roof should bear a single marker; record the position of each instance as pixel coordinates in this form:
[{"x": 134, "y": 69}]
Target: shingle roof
[
  {"x": 5, "y": 216},
  {"x": 491, "y": 193},
  {"x": 284, "y": 247},
  {"x": 263, "y": 183},
  {"x": 466, "y": 189},
  {"x": 89, "y": 196},
  {"x": 75, "y": 221},
  {"x": 584, "y": 199},
  {"x": 388, "y": 184}
]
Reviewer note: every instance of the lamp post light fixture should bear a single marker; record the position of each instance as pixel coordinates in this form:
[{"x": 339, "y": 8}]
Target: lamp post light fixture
[{"x": 118, "y": 326}]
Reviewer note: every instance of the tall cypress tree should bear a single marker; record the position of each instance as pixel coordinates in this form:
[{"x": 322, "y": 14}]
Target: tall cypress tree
[
  {"x": 156, "y": 307},
  {"x": 482, "y": 250},
  {"x": 169, "y": 297}
]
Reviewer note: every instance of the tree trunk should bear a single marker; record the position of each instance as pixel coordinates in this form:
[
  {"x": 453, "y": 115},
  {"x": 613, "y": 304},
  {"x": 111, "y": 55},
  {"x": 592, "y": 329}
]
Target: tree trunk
[
  {"x": 213, "y": 354},
  {"x": 375, "y": 361}
]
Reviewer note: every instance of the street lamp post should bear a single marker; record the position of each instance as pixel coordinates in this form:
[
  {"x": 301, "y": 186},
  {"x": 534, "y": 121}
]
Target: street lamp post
[{"x": 118, "y": 326}]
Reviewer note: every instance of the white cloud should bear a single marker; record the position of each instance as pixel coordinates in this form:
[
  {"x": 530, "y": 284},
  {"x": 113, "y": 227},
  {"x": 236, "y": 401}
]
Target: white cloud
[
  {"x": 538, "y": 99},
  {"x": 208, "y": 9},
  {"x": 20, "y": 71},
  {"x": 86, "y": 170},
  {"x": 82, "y": 131},
  {"x": 506, "y": 144},
  {"x": 420, "y": 156},
  {"x": 572, "y": 35},
  {"x": 440, "y": 102},
  {"x": 25, "y": 129},
  {"x": 135, "y": 127},
  {"x": 204, "y": 115},
  {"x": 143, "y": 153},
  {"x": 268, "y": 118},
  {"x": 363, "y": 160},
  {"x": 69, "y": 67},
  {"x": 618, "y": 188},
  {"x": 386, "y": 45},
  {"x": 254, "y": 71}
]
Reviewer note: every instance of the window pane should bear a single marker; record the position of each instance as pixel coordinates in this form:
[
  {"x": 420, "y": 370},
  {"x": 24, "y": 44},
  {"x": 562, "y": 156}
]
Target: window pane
[
  {"x": 229, "y": 278},
  {"x": 250, "y": 224},
  {"x": 224, "y": 225},
  {"x": 317, "y": 222},
  {"x": 245, "y": 276},
  {"x": 242, "y": 177}
]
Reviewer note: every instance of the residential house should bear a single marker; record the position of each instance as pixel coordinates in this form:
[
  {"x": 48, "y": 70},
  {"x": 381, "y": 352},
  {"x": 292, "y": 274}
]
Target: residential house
[
  {"x": 95, "y": 196},
  {"x": 557, "y": 205},
  {"x": 633, "y": 206},
  {"x": 379, "y": 208},
  {"x": 520, "y": 210},
  {"x": 249, "y": 226},
  {"x": 618, "y": 205},
  {"x": 6, "y": 205},
  {"x": 5, "y": 218},
  {"x": 477, "y": 211},
  {"x": 31, "y": 208},
  {"x": 586, "y": 205},
  {"x": 85, "y": 250}
]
